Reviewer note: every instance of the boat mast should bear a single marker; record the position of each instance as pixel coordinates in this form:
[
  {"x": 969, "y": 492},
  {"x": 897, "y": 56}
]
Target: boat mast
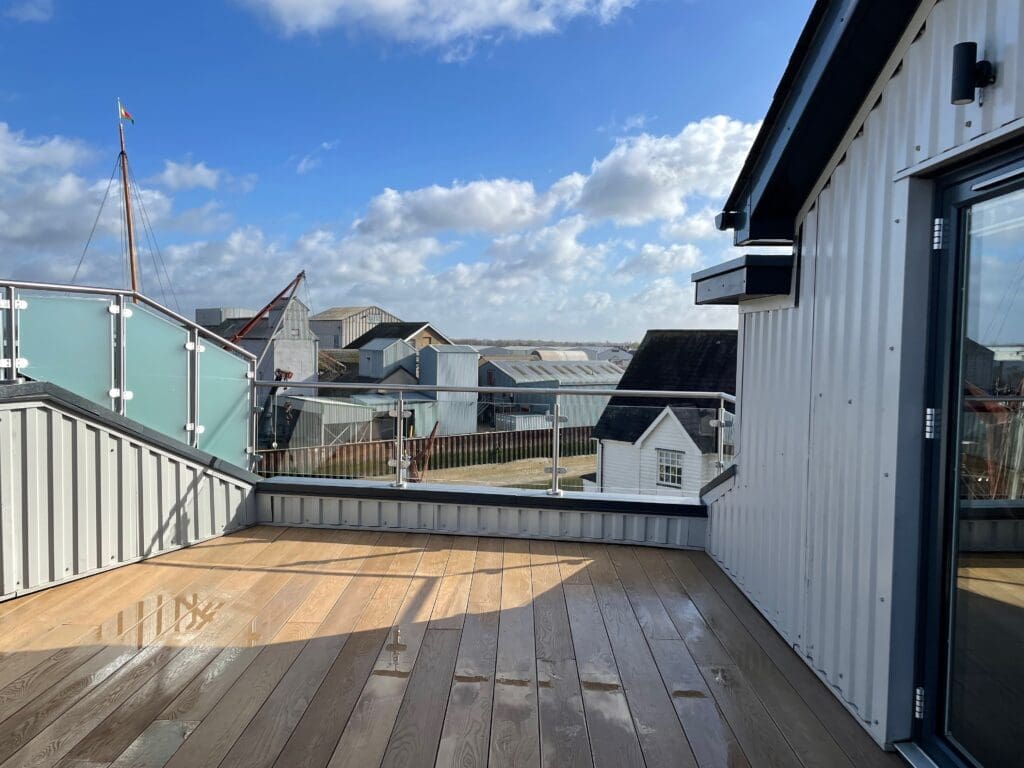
[{"x": 133, "y": 268}]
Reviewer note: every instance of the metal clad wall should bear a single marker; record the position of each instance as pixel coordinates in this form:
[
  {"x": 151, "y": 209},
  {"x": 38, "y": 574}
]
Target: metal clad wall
[
  {"x": 76, "y": 498},
  {"x": 811, "y": 530},
  {"x": 481, "y": 520}
]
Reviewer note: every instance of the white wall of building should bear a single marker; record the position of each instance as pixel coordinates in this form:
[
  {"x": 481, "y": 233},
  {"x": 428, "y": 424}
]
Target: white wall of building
[{"x": 820, "y": 528}]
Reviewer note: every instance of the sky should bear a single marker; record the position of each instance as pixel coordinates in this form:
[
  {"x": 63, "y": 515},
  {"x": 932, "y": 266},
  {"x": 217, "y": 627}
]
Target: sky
[{"x": 515, "y": 169}]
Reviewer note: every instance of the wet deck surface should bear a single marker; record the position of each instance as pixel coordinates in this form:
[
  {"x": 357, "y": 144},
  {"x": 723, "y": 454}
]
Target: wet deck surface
[{"x": 298, "y": 647}]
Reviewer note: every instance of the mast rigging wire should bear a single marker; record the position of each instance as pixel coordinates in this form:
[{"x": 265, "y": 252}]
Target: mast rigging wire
[{"x": 103, "y": 202}]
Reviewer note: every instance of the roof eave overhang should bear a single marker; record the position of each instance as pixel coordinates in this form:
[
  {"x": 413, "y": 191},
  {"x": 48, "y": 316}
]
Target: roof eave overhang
[{"x": 839, "y": 56}]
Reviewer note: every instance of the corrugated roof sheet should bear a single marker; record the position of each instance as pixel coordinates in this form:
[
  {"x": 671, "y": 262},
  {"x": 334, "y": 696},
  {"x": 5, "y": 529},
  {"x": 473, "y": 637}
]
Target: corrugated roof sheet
[
  {"x": 394, "y": 331},
  {"x": 340, "y": 313},
  {"x": 565, "y": 373}
]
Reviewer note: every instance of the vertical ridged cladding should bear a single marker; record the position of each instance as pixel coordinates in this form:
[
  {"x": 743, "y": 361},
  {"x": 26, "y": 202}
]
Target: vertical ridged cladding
[
  {"x": 809, "y": 530},
  {"x": 76, "y": 498},
  {"x": 481, "y": 520}
]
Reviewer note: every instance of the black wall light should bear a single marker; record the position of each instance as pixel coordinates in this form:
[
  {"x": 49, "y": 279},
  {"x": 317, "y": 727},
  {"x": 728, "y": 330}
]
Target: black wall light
[{"x": 969, "y": 74}]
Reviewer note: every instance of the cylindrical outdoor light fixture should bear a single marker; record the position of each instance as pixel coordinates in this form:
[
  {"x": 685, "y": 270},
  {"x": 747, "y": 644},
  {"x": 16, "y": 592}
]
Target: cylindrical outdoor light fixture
[{"x": 969, "y": 74}]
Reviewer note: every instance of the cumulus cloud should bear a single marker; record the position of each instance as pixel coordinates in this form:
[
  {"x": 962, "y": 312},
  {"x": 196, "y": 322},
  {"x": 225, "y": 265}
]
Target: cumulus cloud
[
  {"x": 578, "y": 258},
  {"x": 188, "y": 175},
  {"x": 436, "y": 22},
  {"x": 646, "y": 177},
  {"x": 653, "y": 258},
  {"x": 29, "y": 10},
  {"x": 495, "y": 206}
]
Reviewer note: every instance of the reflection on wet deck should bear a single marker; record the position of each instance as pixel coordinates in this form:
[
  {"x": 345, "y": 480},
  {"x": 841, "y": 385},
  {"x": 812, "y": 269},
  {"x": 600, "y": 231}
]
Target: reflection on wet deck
[{"x": 298, "y": 647}]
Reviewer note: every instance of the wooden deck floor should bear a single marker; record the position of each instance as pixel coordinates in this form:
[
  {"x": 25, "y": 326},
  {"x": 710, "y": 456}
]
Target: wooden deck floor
[{"x": 299, "y": 647}]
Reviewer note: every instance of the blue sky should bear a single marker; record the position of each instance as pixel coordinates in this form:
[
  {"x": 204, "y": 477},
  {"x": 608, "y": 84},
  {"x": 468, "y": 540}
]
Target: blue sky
[{"x": 530, "y": 168}]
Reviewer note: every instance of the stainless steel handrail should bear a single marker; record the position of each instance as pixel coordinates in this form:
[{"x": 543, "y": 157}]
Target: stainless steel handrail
[
  {"x": 96, "y": 291},
  {"x": 571, "y": 391}
]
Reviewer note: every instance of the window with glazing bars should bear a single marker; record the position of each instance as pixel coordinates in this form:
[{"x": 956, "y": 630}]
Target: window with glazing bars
[{"x": 670, "y": 467}]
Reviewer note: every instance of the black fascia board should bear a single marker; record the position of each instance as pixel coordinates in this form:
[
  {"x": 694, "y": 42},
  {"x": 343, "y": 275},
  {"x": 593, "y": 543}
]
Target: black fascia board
[{"x": 838, "y": 57}]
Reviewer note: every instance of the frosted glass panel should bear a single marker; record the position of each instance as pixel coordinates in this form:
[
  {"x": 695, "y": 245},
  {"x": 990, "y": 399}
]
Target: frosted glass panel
[
  {"x": 68, "y": 340},
  {"x": 224, "y": 405},
  {"x": 156, "y": 372}
]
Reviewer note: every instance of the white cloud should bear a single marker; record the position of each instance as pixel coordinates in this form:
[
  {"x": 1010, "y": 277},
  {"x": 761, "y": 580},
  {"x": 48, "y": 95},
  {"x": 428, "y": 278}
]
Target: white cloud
[
  {"x": 19, "y": 154},
  {"x": 653, "y": 258},
  {"x": 29, "y": 10},
  {"x": 312, "y": 160},
  {"x": 436, "y": 22},
  {"x": 495, "y": 206},
  {"x": 188, "y": 175},
  {"x": 648, "y": 177},
  {"x": 698, "y": 226},
  {"x": 498, "y": 257}
]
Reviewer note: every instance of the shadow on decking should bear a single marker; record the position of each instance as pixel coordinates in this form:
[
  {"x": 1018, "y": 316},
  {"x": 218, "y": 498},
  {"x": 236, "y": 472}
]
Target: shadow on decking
[{"x": 302, "y": 647}]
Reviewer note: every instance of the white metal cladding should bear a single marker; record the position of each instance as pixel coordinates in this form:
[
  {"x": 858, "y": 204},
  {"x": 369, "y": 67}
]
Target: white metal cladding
[
  {"x": 482, "y": 520},
  {"x": 816, "y": 528},
  {"x": 76, "y": 498}
]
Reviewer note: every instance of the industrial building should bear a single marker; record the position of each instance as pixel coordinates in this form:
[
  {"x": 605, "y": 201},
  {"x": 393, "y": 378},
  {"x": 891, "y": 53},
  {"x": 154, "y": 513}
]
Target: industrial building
[
  {"x": 874, "y": 517},
  {"x": 338, "y": 327},
  {"x": 521, "y": 411},
  {"x": 419, "y": 334},
  {"x": 452, "y": 365},
  {"x": 666, "y": 446},
  {"x": 281, "y": 340},
  {"x": 379, "y": 358}
]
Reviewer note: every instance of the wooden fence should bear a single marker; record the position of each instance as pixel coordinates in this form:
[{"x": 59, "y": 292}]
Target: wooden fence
[{"x": 370, "y": 459}]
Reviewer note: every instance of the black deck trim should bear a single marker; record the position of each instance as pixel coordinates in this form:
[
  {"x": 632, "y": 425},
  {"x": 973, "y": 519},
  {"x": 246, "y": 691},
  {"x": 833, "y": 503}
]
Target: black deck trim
[
  {"x": 437, "y": 494},
  {"x": 44, "y": 391}
]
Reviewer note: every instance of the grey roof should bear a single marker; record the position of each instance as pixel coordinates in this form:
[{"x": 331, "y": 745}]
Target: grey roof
[
  {"x": 453, "y": 349},
  {"x": 382, "y": 343},
  {"x": 340, "y": 313},
  {"x": 403, "y": 331},
  {"x": 680, "y": 360},
  {"x": 563, "y": 372}
]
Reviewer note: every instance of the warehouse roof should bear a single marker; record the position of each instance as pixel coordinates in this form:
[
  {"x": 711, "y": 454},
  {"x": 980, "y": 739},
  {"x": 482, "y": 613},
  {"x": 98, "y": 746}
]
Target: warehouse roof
[
  {"x": 382, "y": 343},
  {"x": 340, "y": 313},
  {"x": 563, "y": 373},
  {"x": 404, "y": 331},
  {"x": 680, "y": 360}
]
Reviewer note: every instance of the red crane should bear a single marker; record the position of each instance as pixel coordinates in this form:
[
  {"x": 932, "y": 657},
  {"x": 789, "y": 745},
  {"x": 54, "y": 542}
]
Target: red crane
[{"x": 289, "y": 289}]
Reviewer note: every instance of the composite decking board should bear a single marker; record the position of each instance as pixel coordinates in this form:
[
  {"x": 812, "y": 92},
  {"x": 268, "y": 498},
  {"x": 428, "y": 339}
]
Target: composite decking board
[
  {"x": 244, "y": 595},
  {"x": 661, "y": 735},
  {"x": 465, "y": 735},
  {"x": 366, "y": 735},
  {"x": 279, "y": 646},
  {"x": 95, "y": 673},
  {"x": 711, "y": 738},
  {"x": 853, "y": 739},
  {"x": 564, "y": 740},
  {"x": 77, "y": 723},
  {"x": 203, "y": 693},
  {"x": 759, "y": 737},
  {"x": 268, "y": 732},
  {"x": 515, "y": 728},
  {"x": 231, "y": 716},
  {"x": 611, "y": 729},
  {"x": 808, "y": 737}
]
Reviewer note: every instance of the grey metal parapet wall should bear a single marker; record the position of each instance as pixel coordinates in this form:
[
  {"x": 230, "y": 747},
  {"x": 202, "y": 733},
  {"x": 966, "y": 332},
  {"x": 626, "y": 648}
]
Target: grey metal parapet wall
[
  {"x": 475, "y": 511},
  {"x": 83, "y": 490}
]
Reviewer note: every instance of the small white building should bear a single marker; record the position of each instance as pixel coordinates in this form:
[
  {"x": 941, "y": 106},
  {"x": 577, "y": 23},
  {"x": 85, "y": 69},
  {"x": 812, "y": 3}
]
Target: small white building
[
  {"x": 675, "y": 456},
  {"x": 664, "y": 446}
]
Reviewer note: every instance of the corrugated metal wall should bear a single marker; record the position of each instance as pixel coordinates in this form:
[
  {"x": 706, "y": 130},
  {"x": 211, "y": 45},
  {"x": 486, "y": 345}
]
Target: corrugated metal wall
[
  {"x": 482, "y": 520},
  {"x": 815, "y": 528},
  {"x": 76, "y": 498}
]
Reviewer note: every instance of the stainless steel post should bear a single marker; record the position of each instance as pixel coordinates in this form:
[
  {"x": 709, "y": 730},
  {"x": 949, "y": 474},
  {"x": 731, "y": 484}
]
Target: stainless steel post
[
  {"x": 193, "y": 387},
  {"x": 556, "y": 425},
  {"x": 400, "y": 442},
  {"x": 120, "y": 375},
  {"x": 721, "y": 434},
  {"x": 11, "y": 333}
]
